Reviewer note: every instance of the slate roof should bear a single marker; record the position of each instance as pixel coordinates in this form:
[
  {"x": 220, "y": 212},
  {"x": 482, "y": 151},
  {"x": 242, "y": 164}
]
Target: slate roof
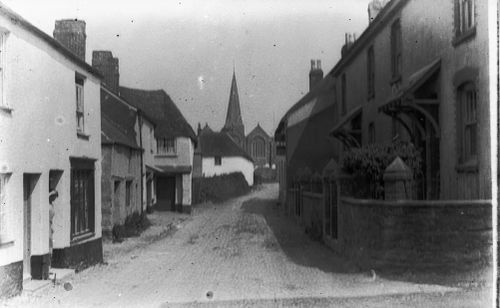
[
  {"x": 120, "y": 113},
  {"x": 219, "y": 144},
  {"x": 112, "y": 133},
  {"x": 157, "y": 105}
]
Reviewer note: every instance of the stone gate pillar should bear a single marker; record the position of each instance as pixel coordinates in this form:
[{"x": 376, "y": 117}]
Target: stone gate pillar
[{"x": 398, "y": 181}]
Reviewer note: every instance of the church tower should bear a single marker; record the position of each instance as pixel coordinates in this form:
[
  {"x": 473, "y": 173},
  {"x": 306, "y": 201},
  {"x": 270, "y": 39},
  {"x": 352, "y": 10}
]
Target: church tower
[{"x": 234, "y": 124}]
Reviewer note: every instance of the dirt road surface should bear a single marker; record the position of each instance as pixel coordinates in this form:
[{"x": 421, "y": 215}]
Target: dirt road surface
[{"x": 241, "y": 253}]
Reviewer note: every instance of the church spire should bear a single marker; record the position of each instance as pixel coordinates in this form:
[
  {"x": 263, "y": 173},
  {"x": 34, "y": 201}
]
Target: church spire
[{"x": 234, "y": 123}]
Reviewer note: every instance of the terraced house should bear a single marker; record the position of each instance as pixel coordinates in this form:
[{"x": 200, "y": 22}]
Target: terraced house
[
  {"x": 50, "y": 151},
  {"x": 418, "y": 73}
]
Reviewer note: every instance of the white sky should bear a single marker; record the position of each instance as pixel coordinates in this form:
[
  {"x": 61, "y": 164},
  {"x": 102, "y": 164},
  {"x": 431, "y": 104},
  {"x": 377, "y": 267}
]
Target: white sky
[{"x": 187, "y": 47}]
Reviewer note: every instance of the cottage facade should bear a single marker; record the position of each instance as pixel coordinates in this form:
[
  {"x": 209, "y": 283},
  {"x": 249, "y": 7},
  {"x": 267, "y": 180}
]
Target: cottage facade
[
  {"x": 219, "y": 154},
  {"x": 60, "y": 118},
  {"x": 172, "y": 148},
  {"x": 122, "y": 166},
  {"x": 422, "y": 75}
]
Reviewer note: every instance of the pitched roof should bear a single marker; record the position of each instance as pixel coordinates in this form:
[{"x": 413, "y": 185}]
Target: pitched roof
[
  {"x": 112, "y": 133},
  {"x": 323, "y": 89},
  {"x": 156, "y": 104},
  {"x": 23, "y": 23},
  {"x": 258, "y": 130},
  {"x": 120, "y": 113},
  {"x": 233, "y": 116},
  {"x": 220, "y": 144}
]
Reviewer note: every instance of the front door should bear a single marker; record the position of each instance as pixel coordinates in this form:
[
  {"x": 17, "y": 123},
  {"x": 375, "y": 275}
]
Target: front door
[
  {"x": 27, "y": 192},
  {"x": 165, "y": 193}
]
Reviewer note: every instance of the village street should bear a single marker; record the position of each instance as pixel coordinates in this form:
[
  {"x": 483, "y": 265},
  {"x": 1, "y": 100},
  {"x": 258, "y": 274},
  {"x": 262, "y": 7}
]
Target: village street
[{"x": 239, "y": 253}]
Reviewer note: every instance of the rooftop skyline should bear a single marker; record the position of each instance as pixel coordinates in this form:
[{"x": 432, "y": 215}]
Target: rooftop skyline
[{"x": 188, "y": 48}]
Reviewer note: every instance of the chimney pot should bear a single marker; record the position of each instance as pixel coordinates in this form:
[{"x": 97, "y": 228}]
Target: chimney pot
[
  {"x": 318, "y": 64},
  {"x": 313, "y": 65}
]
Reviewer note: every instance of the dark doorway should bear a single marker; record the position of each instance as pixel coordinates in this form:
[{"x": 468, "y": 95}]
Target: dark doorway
[{"x": 165, "y": 193}]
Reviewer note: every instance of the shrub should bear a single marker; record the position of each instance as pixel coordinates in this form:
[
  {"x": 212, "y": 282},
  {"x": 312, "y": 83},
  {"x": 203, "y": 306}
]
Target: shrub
[
  {"x": 133, "y": 226},
  {"x": 368, "y": 163}
]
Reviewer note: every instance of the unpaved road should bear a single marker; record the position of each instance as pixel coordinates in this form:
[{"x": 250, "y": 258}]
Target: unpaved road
[{"x": 239, "y": 253}]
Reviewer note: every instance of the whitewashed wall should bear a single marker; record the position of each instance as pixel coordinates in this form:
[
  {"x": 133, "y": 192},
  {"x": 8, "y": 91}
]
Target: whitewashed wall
[
  {"x": 228, "y": 165},
  {"x": 39, "y": 134}
]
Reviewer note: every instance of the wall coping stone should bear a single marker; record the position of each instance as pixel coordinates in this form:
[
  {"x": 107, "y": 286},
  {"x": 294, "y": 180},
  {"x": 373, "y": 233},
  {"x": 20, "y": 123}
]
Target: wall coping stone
[{"x": 418, "y": 203}]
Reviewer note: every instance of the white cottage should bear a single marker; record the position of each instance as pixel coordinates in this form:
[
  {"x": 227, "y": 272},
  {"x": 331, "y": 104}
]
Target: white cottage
[
  {"x": 221, "y": 155},
  {"x": 50, "y": 143}
]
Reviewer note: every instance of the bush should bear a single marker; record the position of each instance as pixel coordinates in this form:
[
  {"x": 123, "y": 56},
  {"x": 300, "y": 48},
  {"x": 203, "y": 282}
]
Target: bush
[
  {"x": 368, "y": 163},
  {"x": 219, "y": 188},
  {"x": 133, "y": 226}
]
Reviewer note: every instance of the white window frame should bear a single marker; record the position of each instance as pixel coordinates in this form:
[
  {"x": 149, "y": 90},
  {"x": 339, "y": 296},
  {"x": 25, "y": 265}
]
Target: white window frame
[
  {"x": 468, "y": 112},
  {"x": 466, "y": 19},
  {"x": 80, "y": 104},
  {"x": 4, "y": 104}
]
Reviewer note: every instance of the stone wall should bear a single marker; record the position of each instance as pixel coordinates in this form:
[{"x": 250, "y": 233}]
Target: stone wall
[{"x": 416, "y": 234}]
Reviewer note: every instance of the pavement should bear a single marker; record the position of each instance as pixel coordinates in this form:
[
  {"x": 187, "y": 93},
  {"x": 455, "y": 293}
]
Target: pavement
[{"x": 240, "y": 253}]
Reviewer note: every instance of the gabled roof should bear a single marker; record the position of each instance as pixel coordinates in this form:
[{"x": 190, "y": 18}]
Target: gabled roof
[
  {"x": 23, "y": 23},
  {"x": 112, "y": 133},
  {"x": 258, "y": 130},
  {"x": 219, "y": 144},
  {"x": 157, "y": 105}
]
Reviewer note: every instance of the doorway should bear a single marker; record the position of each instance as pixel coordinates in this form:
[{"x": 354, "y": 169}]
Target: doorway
[
  {"x": 29, "y": 184},
  {"x": 165, "y": 193}
]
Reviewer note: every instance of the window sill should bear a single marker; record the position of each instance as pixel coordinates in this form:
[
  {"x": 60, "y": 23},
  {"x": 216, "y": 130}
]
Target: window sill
[
  {"x": 467, "y": 167},
  {"x": 82, "y": 237},
  {"x": 165, "y": 155},
  {"x": 82, "y": 136},
  {"x": 6, "y": 243},
  {"x": 463, "y": 37},
  {"x": 6, "y": 109}
]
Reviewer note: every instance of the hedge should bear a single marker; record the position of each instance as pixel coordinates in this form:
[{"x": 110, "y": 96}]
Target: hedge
[{"x": 219, "y": 188}]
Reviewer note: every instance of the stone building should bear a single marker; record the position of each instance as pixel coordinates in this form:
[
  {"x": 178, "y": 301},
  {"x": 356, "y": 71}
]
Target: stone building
[
  {"x": 51, "y": 142},
  {"x": 122, "y": 155},
  {"x": 258, "y": 144}
]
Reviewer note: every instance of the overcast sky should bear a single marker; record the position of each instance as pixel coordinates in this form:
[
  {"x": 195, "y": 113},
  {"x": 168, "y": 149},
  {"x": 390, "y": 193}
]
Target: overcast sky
[{"x": 187, "y": 47}]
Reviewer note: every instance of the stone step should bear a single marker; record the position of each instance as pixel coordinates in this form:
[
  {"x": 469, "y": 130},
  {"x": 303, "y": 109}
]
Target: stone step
[{"x": 56, "y": 275}]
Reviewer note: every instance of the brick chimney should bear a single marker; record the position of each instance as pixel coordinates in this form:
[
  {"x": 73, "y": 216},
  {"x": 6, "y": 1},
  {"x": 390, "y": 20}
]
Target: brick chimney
[
  {"x": 104, "y": 62},
  {"x": 71, "y": 34},
  {"x": 350, "y": 38},
  {"x": 315, "y": 74}
]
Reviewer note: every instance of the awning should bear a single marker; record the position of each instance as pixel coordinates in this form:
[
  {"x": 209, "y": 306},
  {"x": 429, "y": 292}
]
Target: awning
[
  {"x": 153, "y": 169},
  {"x": 346, "y": 134},
  {"x": 418, "y": 109},
  {"x": 174, "y": 169}
]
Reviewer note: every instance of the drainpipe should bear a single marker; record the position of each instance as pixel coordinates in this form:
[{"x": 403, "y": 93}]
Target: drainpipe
[{"x": 139, "y": 115}]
